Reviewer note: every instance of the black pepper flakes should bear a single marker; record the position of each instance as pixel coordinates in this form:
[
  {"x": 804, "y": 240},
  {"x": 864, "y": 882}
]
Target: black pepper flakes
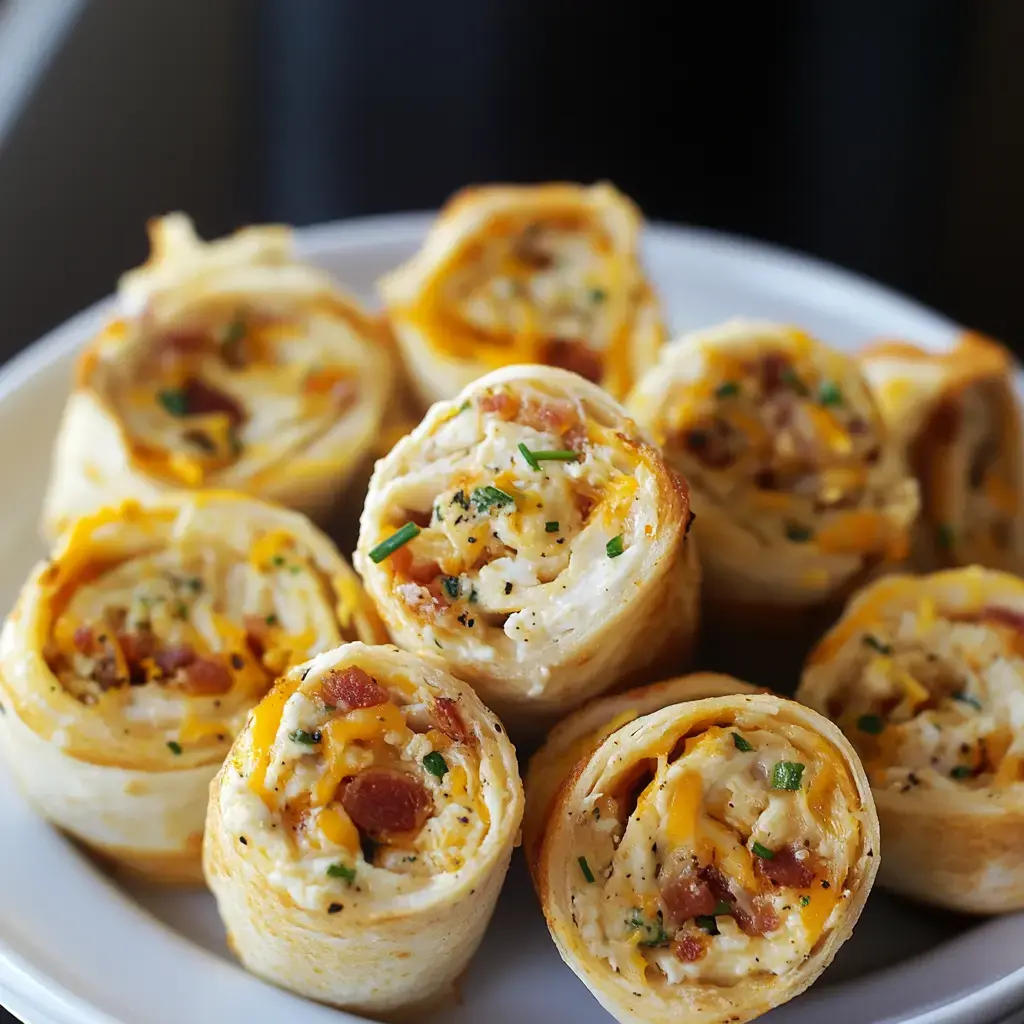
[
  {"x": 508, "y": 587},
  {"x": 243, "y": 840},
  {"x": 334, "y": 908}
]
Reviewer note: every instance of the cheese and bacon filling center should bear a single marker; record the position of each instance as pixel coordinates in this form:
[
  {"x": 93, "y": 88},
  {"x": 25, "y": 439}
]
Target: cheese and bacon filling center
[
  {"x": 931, "y": 696},
  {"x": 361, "y": 785},
  {"x": 232, "y": 384},
  {"x": 179, "y": 640},
  {"x": 552, "y": 288},
  {"x": 726, "y": 858},
  {"x": 786, "y": 438},
  {"x": 519, "y": 509}
]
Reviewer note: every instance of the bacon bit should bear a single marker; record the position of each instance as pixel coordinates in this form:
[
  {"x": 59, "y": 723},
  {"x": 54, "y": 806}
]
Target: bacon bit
[
  {"x": 449, "y": 721},
  {"x": 295, "y": 816},
  {"x": 202, "y": 398},
  {"x": 711, "y": 443},
  {"x": 105, "y": 673},
  {"x": 381, "y": 801},
  {"x": 773, "y": 367},
  {"x": 205, "y": 676},
  {"x": 351, "y": 688},
  {"x": 503, "y": 404},
  {"x": 84, "y": 640},
  {"x": 528, "y": 250},
  {"x": 762, "y": 921},
  {"x": 556, "y": 416},
  {"x": 138, "y": 645},
  {"x": 686, "y": 894},
  {"x": 944, "y": 424},
  {"x": 689, "y": 948},
  {"x": 717, "y": 883},
  {"x": 575, "y": 438},
  {"x": 577, "y": 356},
  {"x": 785, "y": 869},
  {"x": 1003, "y": 617},
  {"x": 185, "y": 341},
  {"x": 256, "y": 633},
  {"x": 170, "y": 659}
]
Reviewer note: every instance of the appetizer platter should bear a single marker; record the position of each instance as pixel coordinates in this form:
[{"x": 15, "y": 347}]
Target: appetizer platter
[{"x": 673, "y": 671}]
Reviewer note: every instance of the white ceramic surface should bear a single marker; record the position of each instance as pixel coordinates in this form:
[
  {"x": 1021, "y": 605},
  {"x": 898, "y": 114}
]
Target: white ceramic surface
[{"x": 76, "y": 949}]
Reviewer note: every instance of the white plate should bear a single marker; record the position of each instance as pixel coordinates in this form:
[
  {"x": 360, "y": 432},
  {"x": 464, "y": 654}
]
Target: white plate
[{"x": 76, "y": 949}]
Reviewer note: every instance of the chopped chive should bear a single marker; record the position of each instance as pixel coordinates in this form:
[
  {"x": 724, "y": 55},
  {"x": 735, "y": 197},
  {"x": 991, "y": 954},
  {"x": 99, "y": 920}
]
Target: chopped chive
[
  {"x": 438, "y": 514},
  {"x": 436, "y": 764},
  {"x": 962, "y": 771},
  {"x": 792, "y": 380},
  {"x": 551, "y": 527},
  {"x": 389, "y": 546},
  {"x": 528, "y": 456},
  {"x": 174, "y": 400},
  {"x": 876, "y": 644},
  {"x": 598, "y": 295},
  {"x": 451, "y": 586},
  {"x": 465, "y": 405},
  {"x": 944, "y": 537},
  {"x": 805, "y": 900},
  {"x": 614, "y": 547},
  {"x": 798, "y": 534},
  {"x": 722, "y": 907},
  {"x": 740, "y": 743},
  {"x": 235, "y": 332},
  {"x": 277, "y": 560},
  {"x": 871, "y": 724},
  {"x": 489, "y": 497},
  {"x": 556, "y": 455},
  {"x": 787, "y": 775},
  {"x": 966, "y": 698},
  {"x": 473, "y": 595},
  {"x": 585, "y": 868},
  {"x": 310, "y": 739},
  {"x": 174, "y": 747},
  {"x": 342, "y": 871},
  {"x": 762, "y": 851},
  {"x": 194, "y": 584},
  {"x": 708, "y": 923},
  {"x": 271, "y": 619},
  {"x": 727, "y": 390},
  {"x": 829, "y": 393}
]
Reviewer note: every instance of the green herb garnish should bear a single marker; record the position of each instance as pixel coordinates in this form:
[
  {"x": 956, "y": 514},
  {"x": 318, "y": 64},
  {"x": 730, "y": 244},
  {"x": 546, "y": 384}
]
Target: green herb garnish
[
  {"x": 194, "y": 584},
  {"x": 585, "y": 868},
  {"x": 614, "y": 547},
  {"x": 528, "y": 456},
  {"x": 436, "y": 764},
  {"x": 174, "y": 400},
  {"x": 655, "y": 934},
  {"x": 798, "y": 534},
  {"x": 342, "y": 871},
  {"x": 310, "y": 739},
  {"x": 962, "y": 771},
  {"x": 787, "y": 775},
  {"x": 534, "y": 459},
  {"x": 598, "y": 295},
  {"x": 805, "y": 900},
  {"x": 389, "y": 546},
  {"x": 792, "y": 380},
  {"x": 451, "y": 586},
  {"x": 465, "y": 405},
  {"x": 173, "y": 747},
  {"x": 762, "y": 851},
  {"x": 944, "y": 537},
  {"x": 830, "y": 394},
  {"x": 551, "y": 527},
  {"x": 871, "y": 724},
  {"x": 271, "y": 619},
  {"x": 235, "y": 332},
  {"x": 740, "y": 743},
  {"x": 722, "y": 907},
  {"x": 876, "y": 644},
  {"x": 489, "y": 497},
  {"x": 966, "y": 698},
  {"x": 708, "y": 923},
  {"x": 727, "y": 390}
]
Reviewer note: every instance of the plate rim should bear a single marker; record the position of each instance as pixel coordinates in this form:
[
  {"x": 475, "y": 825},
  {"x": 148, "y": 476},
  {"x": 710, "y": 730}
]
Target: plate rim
[{"x": 30, "y": 990}]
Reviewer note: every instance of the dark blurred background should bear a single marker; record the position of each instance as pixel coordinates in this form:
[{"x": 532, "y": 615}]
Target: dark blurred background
[{"x": 885, "y": 135}]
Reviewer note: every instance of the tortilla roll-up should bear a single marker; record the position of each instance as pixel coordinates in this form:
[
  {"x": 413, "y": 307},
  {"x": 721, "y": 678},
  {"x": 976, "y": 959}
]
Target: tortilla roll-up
[
  {"x": 799, "y": 492},
  {"x": 583, "y": 731},
  {"x": 526, "y": 274},
  {"x": 706, "y": 861},
  {"x": 231, "y": 365},
  {"x": 134, "y": 654},
  {"x": 360, "y": 830},
  {"x": 956, "y": 416},
  {"x": 925, "y": 675},
  {"x": 530, "y": 535}
]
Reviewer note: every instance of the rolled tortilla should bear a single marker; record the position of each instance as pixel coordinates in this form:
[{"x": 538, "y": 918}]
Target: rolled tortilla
[
  {"x": 360, "y": 830},
  {"x": 133, "y": 655},
  {"x": 926, "y": 676},
  {"x": 706, "y": 861},
  {"x": 232, "y": 366},
  {"x": 582, "y": 732},
  {"x": 526, "y": 274},
  {"x": 799, "y": 491},
  {"x": 530, "y": 535},
  {"x": 956, "y": 416}
]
